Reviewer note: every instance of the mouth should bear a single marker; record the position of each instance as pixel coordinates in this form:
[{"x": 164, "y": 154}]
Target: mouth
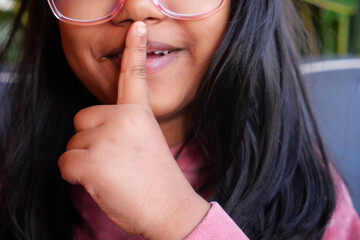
[
  {"x": 159, "y": 56},
  {"x": 158, "y": 53}
]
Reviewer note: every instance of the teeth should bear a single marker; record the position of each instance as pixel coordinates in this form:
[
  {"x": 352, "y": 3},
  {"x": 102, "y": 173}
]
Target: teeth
[{"x": 162, "y": 52}]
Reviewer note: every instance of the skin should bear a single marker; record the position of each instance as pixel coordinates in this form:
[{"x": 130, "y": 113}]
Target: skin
[
  {"x": 127, "y": 139},
  {"x": 172, "y": 89}
]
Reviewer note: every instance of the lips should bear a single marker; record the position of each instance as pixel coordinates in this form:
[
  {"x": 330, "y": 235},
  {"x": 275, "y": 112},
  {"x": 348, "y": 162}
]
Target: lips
[{"x": 159, "y": 55}]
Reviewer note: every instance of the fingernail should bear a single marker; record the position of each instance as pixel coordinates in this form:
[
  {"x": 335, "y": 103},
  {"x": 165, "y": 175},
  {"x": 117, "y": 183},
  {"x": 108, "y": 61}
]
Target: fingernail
[{"x": 141, "y": 29}]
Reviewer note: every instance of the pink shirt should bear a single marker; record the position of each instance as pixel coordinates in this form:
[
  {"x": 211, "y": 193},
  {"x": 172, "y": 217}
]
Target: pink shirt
[{"x": 344, "y": 225}]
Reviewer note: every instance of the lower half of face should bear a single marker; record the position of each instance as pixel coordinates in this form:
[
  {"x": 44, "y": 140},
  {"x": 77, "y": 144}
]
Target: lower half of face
[
  {"x": 180, "y": 54},
  {"x": 172, "y": 87}
]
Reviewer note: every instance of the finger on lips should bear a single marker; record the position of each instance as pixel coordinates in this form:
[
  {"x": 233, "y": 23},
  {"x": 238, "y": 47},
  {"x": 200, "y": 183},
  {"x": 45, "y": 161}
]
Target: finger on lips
[
  {"x": 132, "y": 89},
  {"x": 132, "y": 85}
]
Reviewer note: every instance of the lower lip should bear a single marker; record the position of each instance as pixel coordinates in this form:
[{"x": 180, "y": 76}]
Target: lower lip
[{"x": 154, "y": 63}]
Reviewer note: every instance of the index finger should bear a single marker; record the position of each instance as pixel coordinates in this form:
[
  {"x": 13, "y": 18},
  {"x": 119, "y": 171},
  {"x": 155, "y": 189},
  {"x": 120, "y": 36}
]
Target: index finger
[{"x": 132, "y": 84}]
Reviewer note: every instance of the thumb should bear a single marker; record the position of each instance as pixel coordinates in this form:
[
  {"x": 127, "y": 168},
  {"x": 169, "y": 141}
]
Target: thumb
[{"x": 132, "y": 84}]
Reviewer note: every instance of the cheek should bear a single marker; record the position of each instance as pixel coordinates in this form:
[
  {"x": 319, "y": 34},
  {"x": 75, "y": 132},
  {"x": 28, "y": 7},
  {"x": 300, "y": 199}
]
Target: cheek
[
  {"x": 78, "y": 45},
  {"x": 207, "y": 33},
  {"x": 75, "y": 45},
  {"x": 184, "y": 78},
  {"x": 206, "y": 38},
  {"x": 174, "y": 89}
]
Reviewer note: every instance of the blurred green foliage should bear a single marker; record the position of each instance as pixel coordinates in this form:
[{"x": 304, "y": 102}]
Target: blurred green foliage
[
  {"x": 335, "y": 23},
  {"x": 8, "y": 9}
]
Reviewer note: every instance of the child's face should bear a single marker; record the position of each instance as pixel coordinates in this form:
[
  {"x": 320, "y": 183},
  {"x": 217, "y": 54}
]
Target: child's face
[{"x": 173, "y": 79}]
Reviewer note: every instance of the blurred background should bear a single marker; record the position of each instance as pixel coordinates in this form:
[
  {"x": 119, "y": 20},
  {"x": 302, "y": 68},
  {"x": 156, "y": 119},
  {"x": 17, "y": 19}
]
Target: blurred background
[
  {"x": 335, "y": 24},
  {"x": 334, "y": 89}
]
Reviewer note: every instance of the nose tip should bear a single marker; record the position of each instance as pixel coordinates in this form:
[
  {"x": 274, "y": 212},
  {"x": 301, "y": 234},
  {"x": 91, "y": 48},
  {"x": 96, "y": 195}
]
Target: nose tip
[{"x": 138, "y": 10}]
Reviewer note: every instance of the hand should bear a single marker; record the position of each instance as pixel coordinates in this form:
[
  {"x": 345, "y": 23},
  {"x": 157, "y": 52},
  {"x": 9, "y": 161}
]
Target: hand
[{"x": 120, "y": 156}]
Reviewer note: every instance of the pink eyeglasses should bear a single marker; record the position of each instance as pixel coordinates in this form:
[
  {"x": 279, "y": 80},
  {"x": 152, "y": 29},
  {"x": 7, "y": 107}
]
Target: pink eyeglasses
[{"x": 91, "y": 12}]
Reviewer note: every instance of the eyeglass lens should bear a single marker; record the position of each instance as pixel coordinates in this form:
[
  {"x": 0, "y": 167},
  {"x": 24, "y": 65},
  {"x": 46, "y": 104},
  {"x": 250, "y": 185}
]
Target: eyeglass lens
[
  {"x": 85, "y": 10},
  {"x": 90, "y": 10}
]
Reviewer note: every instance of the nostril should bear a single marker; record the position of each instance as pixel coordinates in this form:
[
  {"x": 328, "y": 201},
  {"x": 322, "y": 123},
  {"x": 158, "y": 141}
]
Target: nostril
[{"x": 124, "y": 23}]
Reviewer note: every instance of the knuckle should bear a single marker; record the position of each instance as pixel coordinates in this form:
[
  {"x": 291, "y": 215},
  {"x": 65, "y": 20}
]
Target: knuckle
[
  {"x": 80, "y": 118},
  {"x": 89, "y": 117},
  {"x": 71, "y": 143},
  {"x": 77, "y": 117},
  {"x": 138, "y": 72},
  {"x": 63, "y": 163},
  {"x": 148, "y": 113},
  {"x": 128, "y": 122},
  {"x": 70, "y": 170},
  {"x": 141, "y": 48}
]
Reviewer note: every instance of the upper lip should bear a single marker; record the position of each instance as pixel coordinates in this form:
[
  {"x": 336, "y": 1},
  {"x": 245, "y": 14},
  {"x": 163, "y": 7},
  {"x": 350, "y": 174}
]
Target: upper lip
[
  {"x": 151, "y": 47},
  {"x": 158, "y": 46}
]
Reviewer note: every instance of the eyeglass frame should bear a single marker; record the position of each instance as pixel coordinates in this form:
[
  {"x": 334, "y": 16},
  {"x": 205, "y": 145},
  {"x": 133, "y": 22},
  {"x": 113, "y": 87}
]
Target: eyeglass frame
[{"x": 120, "y": 5}]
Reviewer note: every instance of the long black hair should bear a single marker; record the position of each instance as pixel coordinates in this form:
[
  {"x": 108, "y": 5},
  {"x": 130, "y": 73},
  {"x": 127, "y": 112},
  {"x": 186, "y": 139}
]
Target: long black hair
[{"x": 252, "y": 120}]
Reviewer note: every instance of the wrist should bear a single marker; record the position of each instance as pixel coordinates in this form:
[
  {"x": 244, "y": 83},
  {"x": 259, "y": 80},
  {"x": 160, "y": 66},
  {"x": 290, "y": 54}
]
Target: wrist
[{"x": 183, "y": 220}]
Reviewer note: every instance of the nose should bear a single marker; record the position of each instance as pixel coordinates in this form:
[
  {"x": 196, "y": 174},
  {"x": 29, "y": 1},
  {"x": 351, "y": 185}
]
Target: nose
[{"x": 138, "y": 10}]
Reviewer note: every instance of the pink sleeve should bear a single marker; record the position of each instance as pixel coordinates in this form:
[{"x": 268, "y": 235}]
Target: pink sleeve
[
  {"x": 217, "y": 225},
  {"x": 345, "y": 223}
]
